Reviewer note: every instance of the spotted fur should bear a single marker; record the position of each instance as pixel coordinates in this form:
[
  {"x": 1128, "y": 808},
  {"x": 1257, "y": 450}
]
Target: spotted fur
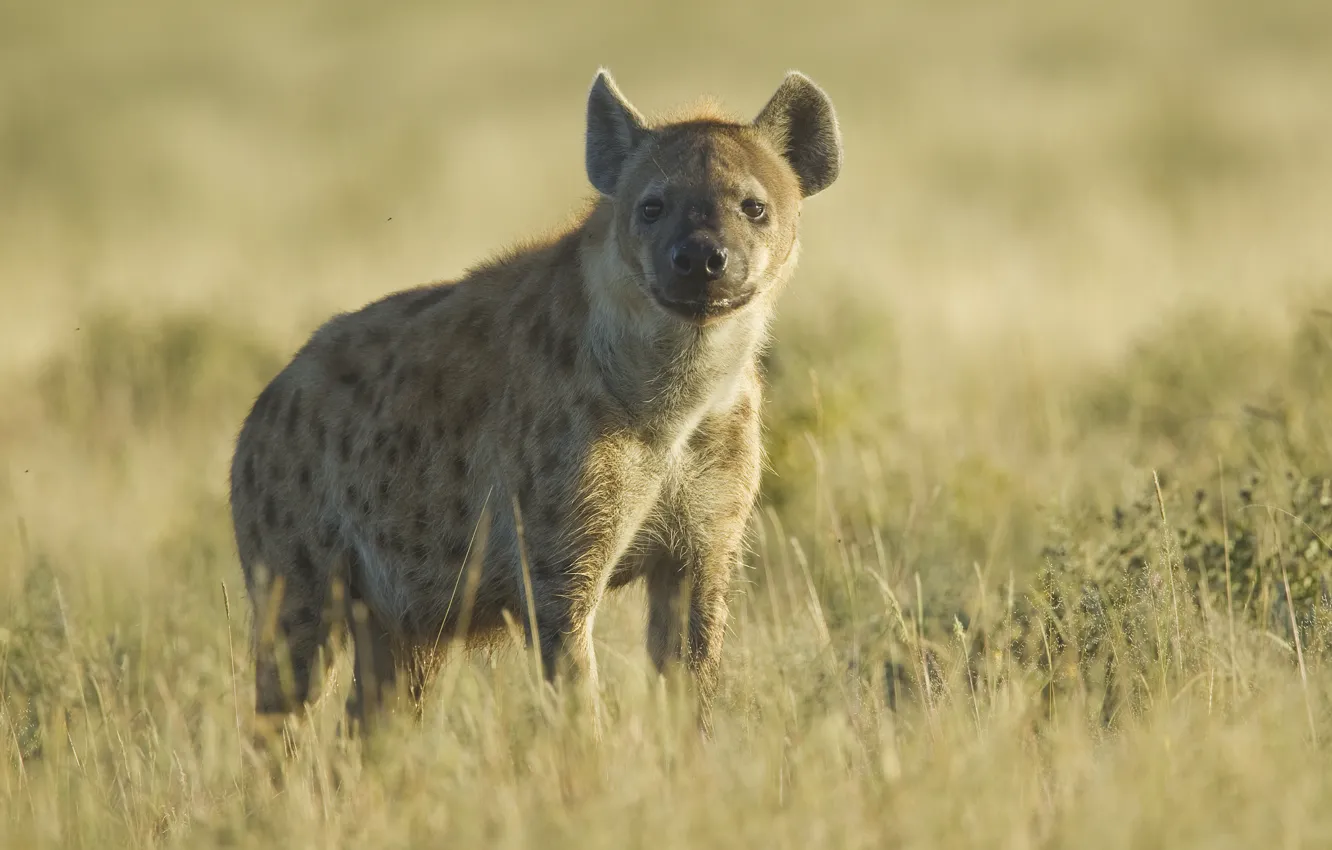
[{"x": 573, "y": 415}]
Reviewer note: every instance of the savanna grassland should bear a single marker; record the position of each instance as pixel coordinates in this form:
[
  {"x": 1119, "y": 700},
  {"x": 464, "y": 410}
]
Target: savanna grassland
[{"x": 1043, "y": 553}]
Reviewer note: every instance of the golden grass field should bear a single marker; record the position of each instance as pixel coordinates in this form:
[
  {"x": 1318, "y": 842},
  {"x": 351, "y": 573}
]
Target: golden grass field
[{"x": 1072, "y": 246}]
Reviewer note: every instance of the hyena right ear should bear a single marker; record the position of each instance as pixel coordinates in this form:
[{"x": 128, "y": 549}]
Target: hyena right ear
[
  {"x": 614, "y": 128},
  {"x": 800, "y": 122}
]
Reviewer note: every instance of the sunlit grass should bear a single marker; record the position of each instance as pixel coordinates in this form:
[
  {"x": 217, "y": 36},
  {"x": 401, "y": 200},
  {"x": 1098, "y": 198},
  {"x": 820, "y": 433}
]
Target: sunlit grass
[{"x": 1043, "y": 552}]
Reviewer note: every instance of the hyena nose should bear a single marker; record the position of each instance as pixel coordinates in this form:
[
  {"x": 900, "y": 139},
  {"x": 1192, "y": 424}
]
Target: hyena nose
[{"x": 699, "y": 259}]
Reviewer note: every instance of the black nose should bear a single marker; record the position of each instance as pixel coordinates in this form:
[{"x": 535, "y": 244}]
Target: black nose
[{"x": 699, "y": 259}]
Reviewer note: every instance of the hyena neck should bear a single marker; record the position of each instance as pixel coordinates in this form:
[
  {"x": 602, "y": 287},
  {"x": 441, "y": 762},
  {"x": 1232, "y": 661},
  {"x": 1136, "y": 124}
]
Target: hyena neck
[{"x": 666, "y": 373}]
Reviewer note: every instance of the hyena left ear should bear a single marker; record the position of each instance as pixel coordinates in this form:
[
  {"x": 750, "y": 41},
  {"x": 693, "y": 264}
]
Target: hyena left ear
[
  {"x": 800, "y": 122},
  {"x": 614, "y": 129}
]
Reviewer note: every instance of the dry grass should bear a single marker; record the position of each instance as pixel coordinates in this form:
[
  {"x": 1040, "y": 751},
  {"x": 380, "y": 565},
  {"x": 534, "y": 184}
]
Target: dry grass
[{"x": 1071, "y": 247}]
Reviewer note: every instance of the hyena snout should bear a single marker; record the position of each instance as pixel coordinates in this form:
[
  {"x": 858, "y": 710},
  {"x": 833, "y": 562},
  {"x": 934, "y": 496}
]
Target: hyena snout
[
  {"x": 698, "y": 260},
  {"x": 701, "y": 278}
]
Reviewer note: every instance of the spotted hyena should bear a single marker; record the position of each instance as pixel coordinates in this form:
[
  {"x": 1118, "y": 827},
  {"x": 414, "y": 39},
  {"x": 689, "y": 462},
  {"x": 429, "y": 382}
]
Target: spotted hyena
[{"x": 568, "y": 418}]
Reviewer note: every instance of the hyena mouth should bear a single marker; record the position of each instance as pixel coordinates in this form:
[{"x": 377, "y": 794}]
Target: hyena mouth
[{"x": 705, "y": 310}]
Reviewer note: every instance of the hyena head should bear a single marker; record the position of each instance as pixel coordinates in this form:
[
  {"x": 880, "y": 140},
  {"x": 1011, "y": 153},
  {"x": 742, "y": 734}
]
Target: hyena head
[{"x": 706, "y": 210}]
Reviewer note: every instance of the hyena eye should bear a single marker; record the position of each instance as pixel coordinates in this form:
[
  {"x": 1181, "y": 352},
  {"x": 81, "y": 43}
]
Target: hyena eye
[
  {"x": 756, "y": 210},
  {"x": 651, "y": 209}
]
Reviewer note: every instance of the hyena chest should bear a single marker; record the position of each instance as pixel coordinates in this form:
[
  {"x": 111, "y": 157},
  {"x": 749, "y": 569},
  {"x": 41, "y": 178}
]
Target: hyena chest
[{"x": 660, "y": 521}]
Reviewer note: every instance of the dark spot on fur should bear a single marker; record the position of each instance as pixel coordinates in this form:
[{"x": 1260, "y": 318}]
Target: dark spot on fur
[
  {"x": 392, "y": 455},
  {"x": 345, "y": 447},
  {"x": 460, "y": 467},
  {"x": 400, "y": 379},
  {"x": 474, "y": 408},
  {"x": 550, "y": 514},
  {"x": 420, "y": 551},
  {"x": 541, "y": 566},
  {"x": 596, "y": 408},
  {"x": 456, "y": 550},
  {"x": 550, "y": 464},
  {"x": 568, "y": 353},
  {"x": 308, "y": 613},
  {"x": 389, "y": 540},
  {"x": 438, "y": 430},
  {"x": 320, "y": 433},
  {"x": 266, "y": 405},
  {"x": 437, "y": 391},
  {"x": 247, "y": 474},
  {"x": 536, "y": 335},
  {"x": 278, "y": 471},
  {"x": 270, "y": 512},
  {"x": 294, "y": 412},
  {"x": 387, "y": 368},
  {"x": 355, "y": 577},
  {"x": 460, "y": 508},
  {"x": 383, "y": 488},
  {"x": 735, "y": 450},
  {"x": 411, "y": 442},
  {"x": 328, "y": 535},
  {"x": 474, "y": 327},
  {"x": 426, "y": 300},
  {"x": 349, "y": 377},
  {"x": 288, "y": 521},
  {"x": 525, "y": 309},
  {"x": 305, "y": 565},
  {"x": 518, "y": 419},
  {"x": 381, "y": 440},
  {"x": 377, "y": 336},
  {"x": 304, "y": 478},
  {"x": 255, "y": 533}
]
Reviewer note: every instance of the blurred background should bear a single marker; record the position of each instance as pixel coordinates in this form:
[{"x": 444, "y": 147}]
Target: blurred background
[
  {"x": 1073, "y": 245},
  {"x": 1069, "y": 243}
]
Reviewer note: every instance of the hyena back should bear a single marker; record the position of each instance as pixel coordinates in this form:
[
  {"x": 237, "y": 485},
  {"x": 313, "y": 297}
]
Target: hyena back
[{"x": 574, "y": 416}]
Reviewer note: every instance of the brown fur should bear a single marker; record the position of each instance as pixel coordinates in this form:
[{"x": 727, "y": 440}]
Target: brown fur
[{"x": 550, "y": 393}]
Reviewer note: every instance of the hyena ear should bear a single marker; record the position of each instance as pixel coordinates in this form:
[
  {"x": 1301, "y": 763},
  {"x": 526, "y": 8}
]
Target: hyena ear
[
  {"x": 614, "y": 128},
  {"x": 800, "y": 122}
]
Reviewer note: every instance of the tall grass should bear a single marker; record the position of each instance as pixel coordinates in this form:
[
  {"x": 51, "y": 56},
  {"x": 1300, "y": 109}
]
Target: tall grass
[{"x": 1043, "y": 553}]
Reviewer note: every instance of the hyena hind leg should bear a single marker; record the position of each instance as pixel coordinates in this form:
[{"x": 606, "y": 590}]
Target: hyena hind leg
[
  {"x": 386, "y": 674},
  {"x": 291, "y": 627}
]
